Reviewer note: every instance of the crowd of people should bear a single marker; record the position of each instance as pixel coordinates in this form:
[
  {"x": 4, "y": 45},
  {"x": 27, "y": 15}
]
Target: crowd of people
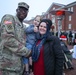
[
  {"x": 71, "y": 36},
  {"x": 33, "y": 48}
]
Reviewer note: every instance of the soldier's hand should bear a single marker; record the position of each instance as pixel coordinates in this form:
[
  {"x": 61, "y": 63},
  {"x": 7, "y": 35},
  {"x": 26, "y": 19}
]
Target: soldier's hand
[{"x": 30, "y": 53}]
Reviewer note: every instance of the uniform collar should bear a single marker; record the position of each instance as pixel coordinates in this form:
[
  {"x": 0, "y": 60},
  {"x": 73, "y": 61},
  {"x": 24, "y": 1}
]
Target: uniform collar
[{"x": 20, "y": 24}]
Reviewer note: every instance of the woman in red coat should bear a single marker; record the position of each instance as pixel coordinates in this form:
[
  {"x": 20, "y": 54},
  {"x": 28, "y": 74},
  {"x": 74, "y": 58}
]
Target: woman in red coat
[{"x": 47, "y": 52}]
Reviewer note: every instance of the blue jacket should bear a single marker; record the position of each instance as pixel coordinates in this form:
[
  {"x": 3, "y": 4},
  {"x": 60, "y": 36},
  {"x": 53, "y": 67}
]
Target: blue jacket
[{"x": 30, "y": 35}]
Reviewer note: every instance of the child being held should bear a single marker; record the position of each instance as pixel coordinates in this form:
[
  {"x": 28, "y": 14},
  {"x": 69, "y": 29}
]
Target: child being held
[{"x": 30, "y": 40}]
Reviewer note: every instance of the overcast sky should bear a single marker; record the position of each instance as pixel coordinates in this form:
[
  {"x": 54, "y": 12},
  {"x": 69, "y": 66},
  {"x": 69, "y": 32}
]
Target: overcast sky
[{"x": 36, "y": 6}]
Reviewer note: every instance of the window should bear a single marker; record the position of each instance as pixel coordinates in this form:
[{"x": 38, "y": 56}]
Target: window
[
  {"x": 68, "y": 9},
  {"x": 69, "y": 26},
  {"x": 48, "y": 15},
  {"x": 52, "y": 15},
  {"x": 53, "y": 8},
  {"x": 70, "y": 18},
  {"x": 60, "y": 26},
  {"x": 53, "y": 20},
  {"x": 72, "y": 9}
]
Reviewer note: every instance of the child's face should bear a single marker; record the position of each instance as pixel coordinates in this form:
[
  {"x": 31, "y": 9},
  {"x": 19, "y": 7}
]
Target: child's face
[{"x": 37, "y": 21}]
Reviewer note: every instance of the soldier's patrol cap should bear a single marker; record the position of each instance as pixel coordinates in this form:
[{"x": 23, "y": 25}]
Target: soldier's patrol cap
[{"x": 23, "y": 4}]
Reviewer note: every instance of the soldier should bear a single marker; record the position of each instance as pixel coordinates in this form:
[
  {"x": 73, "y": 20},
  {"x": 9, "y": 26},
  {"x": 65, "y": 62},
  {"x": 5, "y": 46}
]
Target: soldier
[{"x": 12, "y": 45}]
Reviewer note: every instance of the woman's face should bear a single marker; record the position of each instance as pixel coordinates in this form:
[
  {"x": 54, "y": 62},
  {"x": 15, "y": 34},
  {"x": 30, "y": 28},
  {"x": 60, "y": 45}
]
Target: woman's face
[{"x": 42, "y": 28}]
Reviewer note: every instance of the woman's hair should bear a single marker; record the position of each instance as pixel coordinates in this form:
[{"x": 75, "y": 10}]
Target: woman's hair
[{"x": 48, "y": 23}]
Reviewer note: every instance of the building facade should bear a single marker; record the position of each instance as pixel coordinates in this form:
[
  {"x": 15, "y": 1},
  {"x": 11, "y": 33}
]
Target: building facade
[{"x": 68, "y": 20}]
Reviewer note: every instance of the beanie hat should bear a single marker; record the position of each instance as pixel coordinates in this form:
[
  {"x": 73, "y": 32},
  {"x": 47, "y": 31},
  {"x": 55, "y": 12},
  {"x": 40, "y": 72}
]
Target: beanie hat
[
  {"x": 48, "y": 23},
  {"x": 63, "y": 37}
]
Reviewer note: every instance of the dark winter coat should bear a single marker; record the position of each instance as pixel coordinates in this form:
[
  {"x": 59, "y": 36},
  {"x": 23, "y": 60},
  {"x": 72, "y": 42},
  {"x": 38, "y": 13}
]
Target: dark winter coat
[
  {"x": 53, "y": 56},
  {"x": 64, "y": 47}
]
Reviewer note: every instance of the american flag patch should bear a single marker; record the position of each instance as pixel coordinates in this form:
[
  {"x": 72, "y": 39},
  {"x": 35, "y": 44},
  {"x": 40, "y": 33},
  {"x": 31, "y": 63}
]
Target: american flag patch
[{"x": 7, "y": 22}]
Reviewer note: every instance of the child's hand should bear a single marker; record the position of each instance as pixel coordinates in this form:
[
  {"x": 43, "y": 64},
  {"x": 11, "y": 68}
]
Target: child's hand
[{"x": 35, "y": 29}]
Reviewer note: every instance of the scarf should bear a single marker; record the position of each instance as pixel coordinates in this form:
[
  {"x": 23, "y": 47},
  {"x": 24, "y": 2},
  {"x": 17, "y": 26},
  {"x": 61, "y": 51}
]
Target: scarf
[{"x": 36, "y": 48}]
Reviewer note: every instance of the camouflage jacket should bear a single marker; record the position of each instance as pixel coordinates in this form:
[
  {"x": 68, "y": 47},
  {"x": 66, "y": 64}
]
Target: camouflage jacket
[{"x": 12, "y": 45}]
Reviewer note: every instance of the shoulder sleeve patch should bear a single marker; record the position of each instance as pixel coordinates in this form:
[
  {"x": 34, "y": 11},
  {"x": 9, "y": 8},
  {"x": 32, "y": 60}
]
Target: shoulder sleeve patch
[{"x": 8, "y": 21}]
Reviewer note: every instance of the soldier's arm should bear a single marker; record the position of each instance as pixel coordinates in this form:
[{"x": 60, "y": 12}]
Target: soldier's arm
[
  {"x": 9, "y": 40},
  {"x": 16, "y": 47}
]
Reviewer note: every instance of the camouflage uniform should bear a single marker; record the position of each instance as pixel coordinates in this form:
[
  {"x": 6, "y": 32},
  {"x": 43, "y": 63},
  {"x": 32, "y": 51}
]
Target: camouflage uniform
[{"x": 12, "y": 46}]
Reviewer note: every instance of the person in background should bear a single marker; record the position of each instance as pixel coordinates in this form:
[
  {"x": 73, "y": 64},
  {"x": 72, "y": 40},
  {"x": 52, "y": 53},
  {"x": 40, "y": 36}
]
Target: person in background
[
  {"x": 47, "y": 53},
  {"x": 67, "y": 53},
  {"x": 63, "y": 39},
  {"x": 30, "y": 31},
  {"x": 12, "y": 45},
  {"x": 70, "y": 37},
  {"x": 74, "y": 48}
]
